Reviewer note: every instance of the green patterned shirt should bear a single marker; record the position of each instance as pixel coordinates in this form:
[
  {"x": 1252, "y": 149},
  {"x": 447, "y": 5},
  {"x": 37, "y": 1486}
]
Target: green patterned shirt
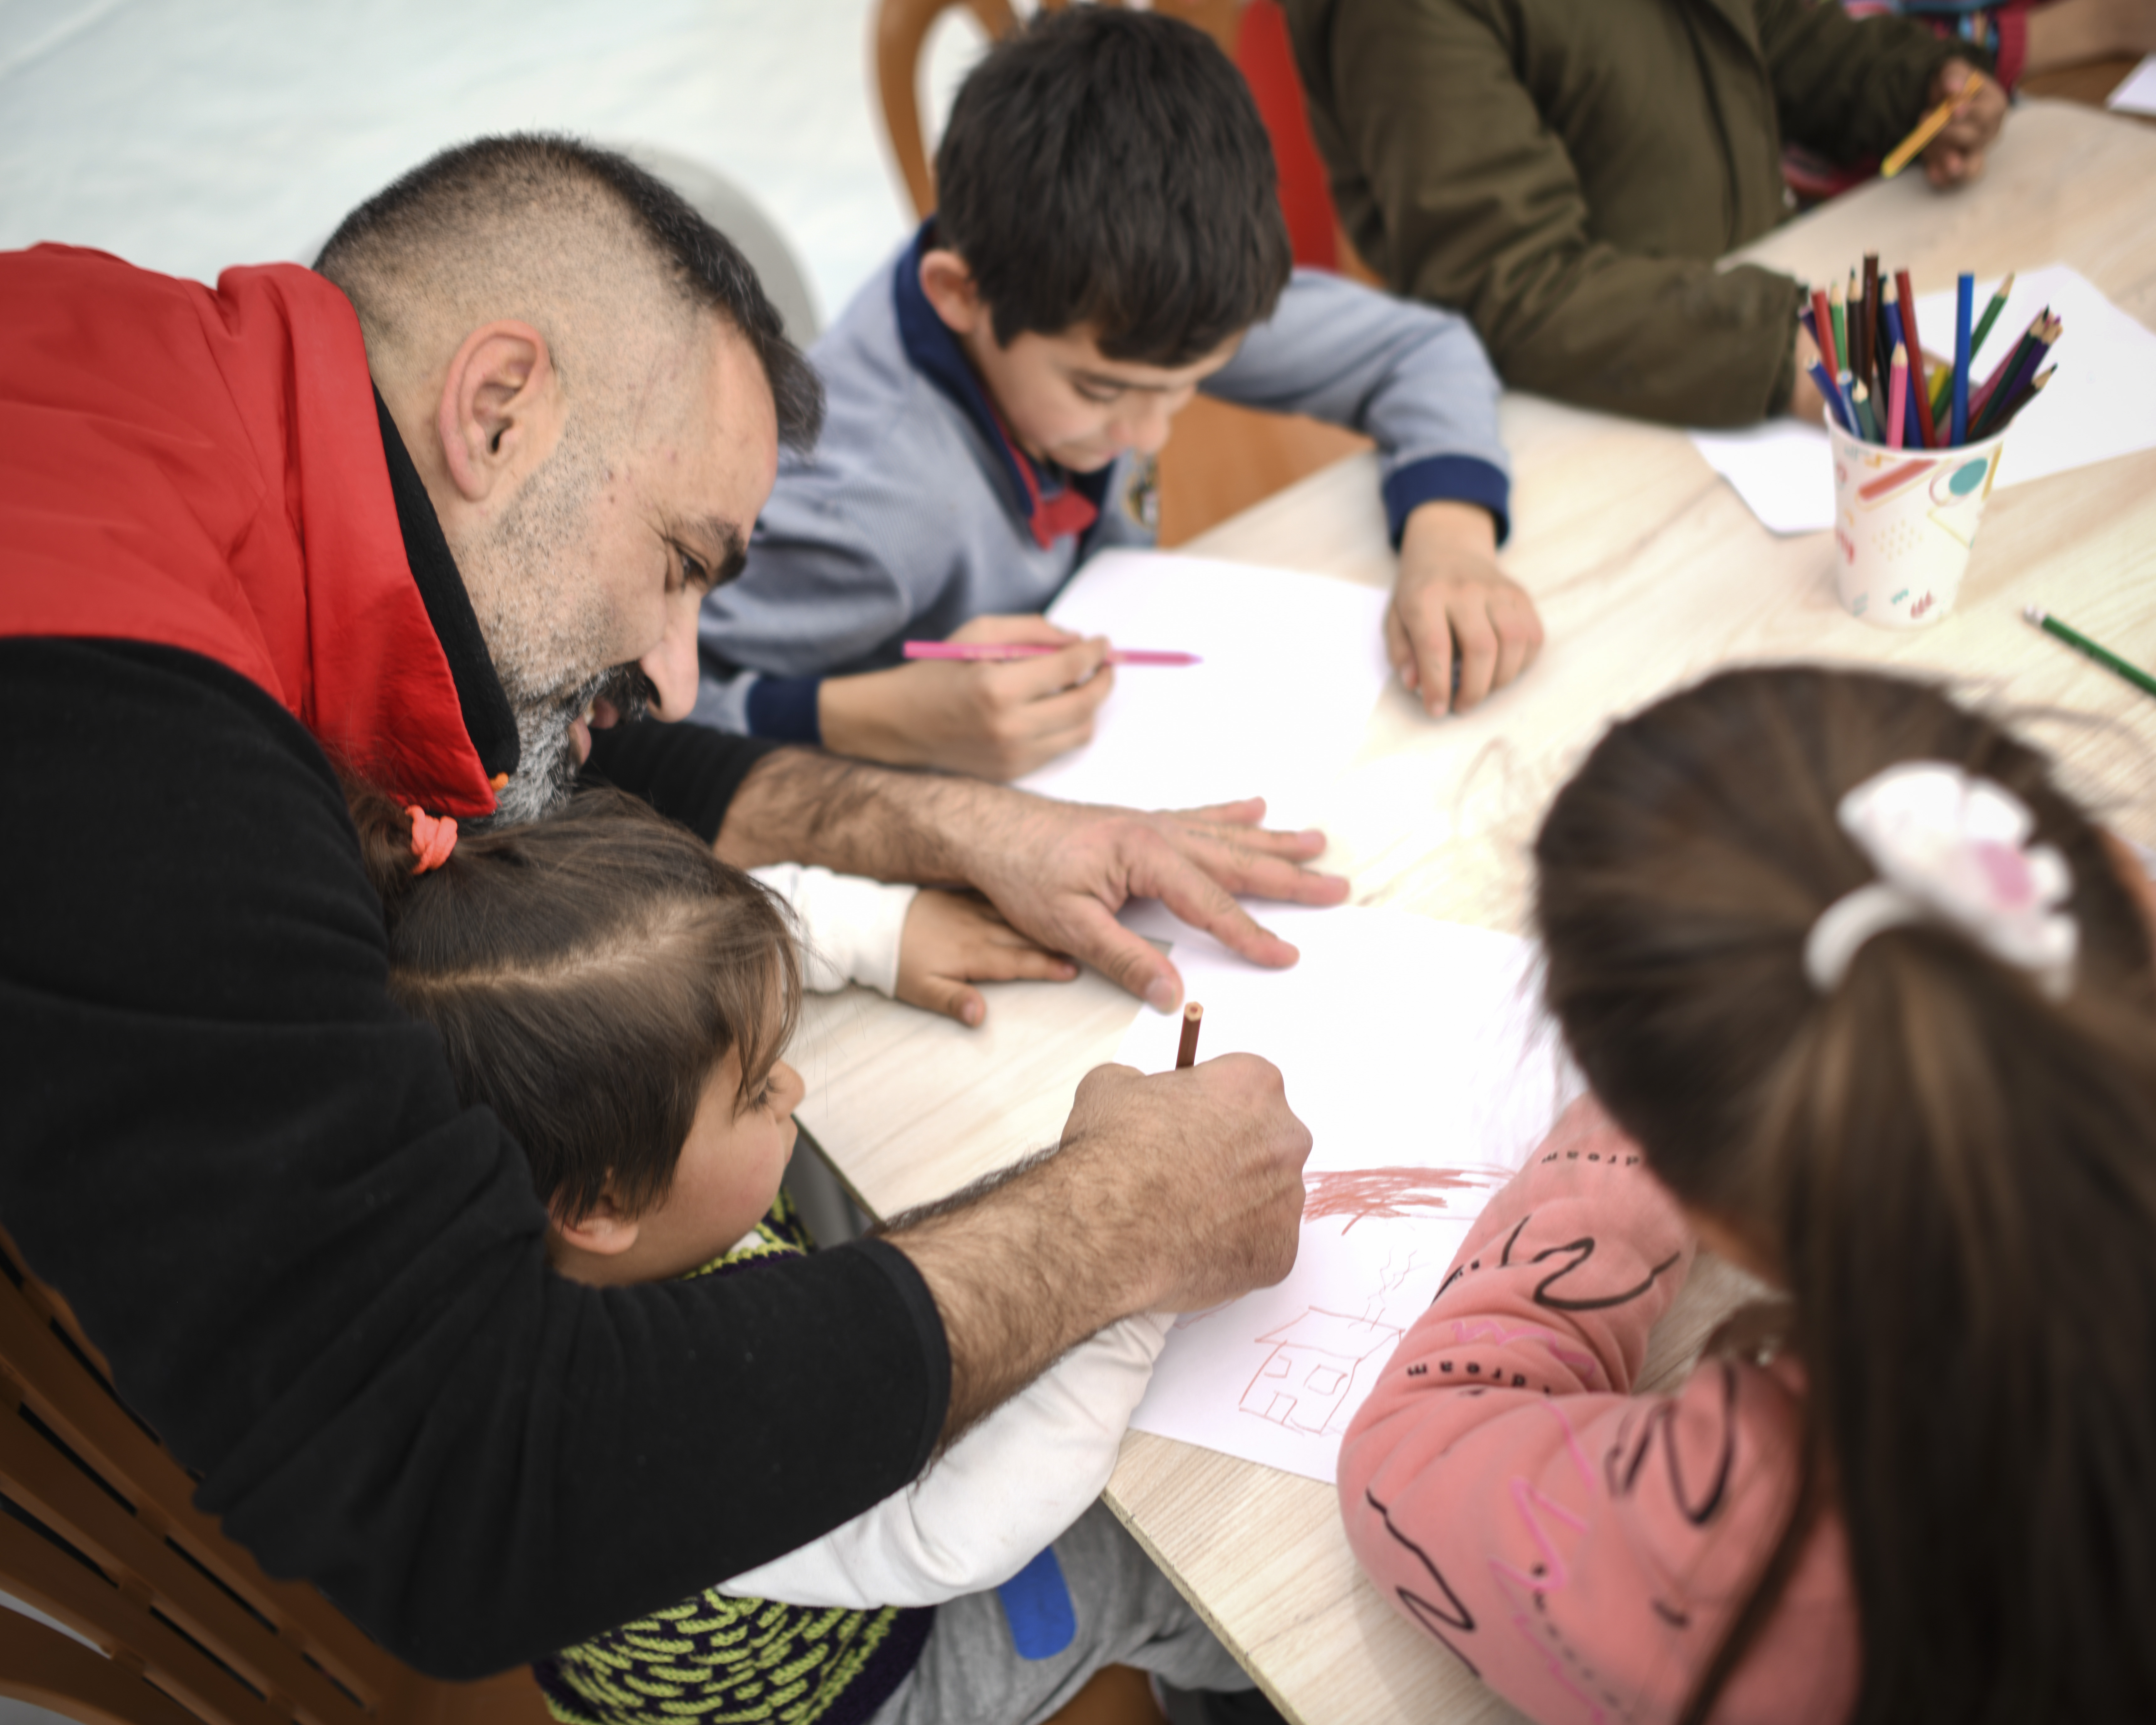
[{"x": 717, "y": 1661}]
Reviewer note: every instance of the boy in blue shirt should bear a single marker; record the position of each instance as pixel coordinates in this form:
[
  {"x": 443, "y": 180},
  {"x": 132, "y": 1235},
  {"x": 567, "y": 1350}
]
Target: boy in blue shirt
[{"x": 1108, "y": 241}]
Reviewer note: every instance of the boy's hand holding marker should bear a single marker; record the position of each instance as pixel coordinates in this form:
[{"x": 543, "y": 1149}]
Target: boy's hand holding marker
[{"x": 995, "y": 721}]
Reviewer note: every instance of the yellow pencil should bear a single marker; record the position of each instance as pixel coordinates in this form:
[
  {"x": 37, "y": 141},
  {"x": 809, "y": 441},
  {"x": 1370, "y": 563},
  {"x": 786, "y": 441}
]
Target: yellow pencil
[{"x": 1929, "y": 127}]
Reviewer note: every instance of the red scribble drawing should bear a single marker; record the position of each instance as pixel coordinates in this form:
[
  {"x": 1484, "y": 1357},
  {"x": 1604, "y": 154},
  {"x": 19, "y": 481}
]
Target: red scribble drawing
[
  {"x": 1304, "y": 1382},
  {"x": 1389, "y": 1195}
]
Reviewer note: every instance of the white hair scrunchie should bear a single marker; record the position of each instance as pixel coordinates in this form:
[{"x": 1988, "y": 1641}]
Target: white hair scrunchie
[{"x": 1952, "y": 849}]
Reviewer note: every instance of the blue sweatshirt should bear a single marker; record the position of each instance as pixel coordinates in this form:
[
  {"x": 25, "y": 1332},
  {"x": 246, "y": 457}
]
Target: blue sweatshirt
[{"x": 916, "y": 513}]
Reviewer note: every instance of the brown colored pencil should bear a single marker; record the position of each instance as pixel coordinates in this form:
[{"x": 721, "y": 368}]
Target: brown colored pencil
[
  {"x": 1870, "y": 350},
  {"x": 1186, "y": 1055}
]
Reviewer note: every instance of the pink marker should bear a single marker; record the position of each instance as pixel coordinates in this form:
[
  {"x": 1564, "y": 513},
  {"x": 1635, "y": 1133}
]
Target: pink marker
[{"x": 994, "y": 652}]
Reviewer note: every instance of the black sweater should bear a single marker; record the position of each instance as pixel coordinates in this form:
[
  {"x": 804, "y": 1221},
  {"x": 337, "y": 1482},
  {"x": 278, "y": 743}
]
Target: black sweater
[{"x": 322, "y": 1282}]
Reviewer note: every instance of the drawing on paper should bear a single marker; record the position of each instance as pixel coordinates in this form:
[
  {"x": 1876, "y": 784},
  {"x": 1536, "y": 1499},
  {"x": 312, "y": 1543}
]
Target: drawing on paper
[
  {"x": 1304, "y": 1382},
  {"x": 1389, "y": 1194}
]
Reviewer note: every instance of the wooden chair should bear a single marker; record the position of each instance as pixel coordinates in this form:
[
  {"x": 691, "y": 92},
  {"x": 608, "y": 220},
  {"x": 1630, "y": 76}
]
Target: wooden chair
[
  {"x": 97, "y": 1531},
  {"x": 1221, "y": 459}
]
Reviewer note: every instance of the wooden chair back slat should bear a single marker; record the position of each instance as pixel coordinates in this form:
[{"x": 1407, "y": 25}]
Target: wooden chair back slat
[
  {"x": 901, "y": 32},
  {"x": 38, "y": 1573},
  {"x": 80, "y": 1410},
  {"x": 43, "y": 1481},
  {"x": 46, "y": 1669}
]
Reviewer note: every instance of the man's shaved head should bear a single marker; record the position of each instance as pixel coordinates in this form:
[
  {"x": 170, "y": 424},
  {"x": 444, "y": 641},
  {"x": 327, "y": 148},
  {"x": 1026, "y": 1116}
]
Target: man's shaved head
[
  {"x": 587, "y": 373},
  {"x": 579, "y": 241}
]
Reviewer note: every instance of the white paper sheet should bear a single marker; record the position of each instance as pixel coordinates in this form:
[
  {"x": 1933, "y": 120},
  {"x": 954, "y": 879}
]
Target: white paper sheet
[
  {"x": 2136, "y": 95},
  {"x": 1293, "y": 663},
  {"x": 1417, "y": 1054},
  {"x": 2101, "y": 404}
]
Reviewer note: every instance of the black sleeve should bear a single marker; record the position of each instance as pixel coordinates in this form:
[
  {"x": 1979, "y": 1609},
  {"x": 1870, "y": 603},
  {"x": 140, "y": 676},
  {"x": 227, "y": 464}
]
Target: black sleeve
[
  {"x": 322, "y": 1282},
  {"x": 687, "y": 772}
]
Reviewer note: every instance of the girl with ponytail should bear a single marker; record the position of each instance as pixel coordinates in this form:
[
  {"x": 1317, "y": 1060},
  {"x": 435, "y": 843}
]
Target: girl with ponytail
[{"x": 1865, "y": 1004}]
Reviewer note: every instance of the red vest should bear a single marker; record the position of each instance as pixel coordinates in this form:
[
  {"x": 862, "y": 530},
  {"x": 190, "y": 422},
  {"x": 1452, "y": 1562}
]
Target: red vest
[{"x": 205, "y": 470}]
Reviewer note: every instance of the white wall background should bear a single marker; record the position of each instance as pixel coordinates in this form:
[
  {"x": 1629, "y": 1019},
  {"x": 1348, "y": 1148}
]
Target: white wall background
[{"x": 187, "y": 135}]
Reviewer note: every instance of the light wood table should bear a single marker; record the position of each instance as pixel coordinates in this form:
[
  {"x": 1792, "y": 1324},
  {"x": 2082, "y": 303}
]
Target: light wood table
[{"x": 1649, "y": 572}]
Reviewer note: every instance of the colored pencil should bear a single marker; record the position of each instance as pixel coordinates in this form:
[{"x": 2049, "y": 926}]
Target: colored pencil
[
  {"x": 996, "y": 652},
  {"x": 1831, "y": 393},
  {"x": 1834, "y": 309},
  {"x": 2009, "y": 368},
  {"x": 1852, "y": 359},
  {"x": 1997, "y": 304},
  {"x": 1999, "y": 394},
  {"x": 1186, "y": 1053},
  {"x": 1964, "y": 291},
  {"x": 1929, "y": 127},
  {"x": 1860, "y": 399},
  {"x": 1919, "y": 397},
  {"x": 1868, "y": 373},
  {"x": 2022, "y": 397},
  {"x": 1824, "y": 336},
  {"x": 1897, "y": 395},
  {"x": 2081, "y": 643}
]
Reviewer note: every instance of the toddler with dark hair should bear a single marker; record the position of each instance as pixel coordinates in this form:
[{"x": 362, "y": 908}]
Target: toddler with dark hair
[
  {"x": 1108, "y": 241},
  {"x": 620, "y": 997}
]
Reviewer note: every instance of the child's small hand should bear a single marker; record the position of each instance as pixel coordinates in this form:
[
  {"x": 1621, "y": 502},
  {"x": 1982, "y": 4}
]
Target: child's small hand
[
  {"x": 952, "y": 939},
  {"x": 1956, "y": 154},
  {"x": 1453, "y": 605}
]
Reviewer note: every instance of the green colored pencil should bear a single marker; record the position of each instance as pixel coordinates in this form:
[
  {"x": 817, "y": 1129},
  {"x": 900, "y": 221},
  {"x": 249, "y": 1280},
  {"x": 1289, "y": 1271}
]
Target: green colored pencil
[
  {"x": 2083, "y": 645},
  {"x": 1990, "y": 315}
]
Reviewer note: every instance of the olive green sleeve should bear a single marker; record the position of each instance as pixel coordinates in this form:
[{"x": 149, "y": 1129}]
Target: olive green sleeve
[
  {"x": 1851, "y": 88},
  {"x": 1479, "y": 208}
]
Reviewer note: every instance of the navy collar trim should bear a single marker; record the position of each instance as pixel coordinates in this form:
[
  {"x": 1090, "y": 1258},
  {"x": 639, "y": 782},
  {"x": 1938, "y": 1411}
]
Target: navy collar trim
[{"x": 933, "y": 350}]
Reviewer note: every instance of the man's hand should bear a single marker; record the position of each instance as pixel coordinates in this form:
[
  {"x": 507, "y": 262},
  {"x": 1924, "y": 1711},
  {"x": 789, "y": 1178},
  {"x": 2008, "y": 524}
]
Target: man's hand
[
  {"x": 1956, "y": 155},
  {"x": 1452, "y": 601},
  {"x": 1170, "y": 1192},
  {"x": 1060, "y": 871},
  {"x": 996, "y": 721},
  {"x": 952, "y": 940}
]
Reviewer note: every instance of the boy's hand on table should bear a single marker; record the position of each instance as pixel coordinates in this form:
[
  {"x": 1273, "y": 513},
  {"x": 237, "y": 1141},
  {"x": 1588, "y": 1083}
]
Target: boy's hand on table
[
  {"x": 1956, "y": 155},
  {"x": 996, "y": 721},
  {"x": 954, "y": 939},
  {"x": 1452, "y": 598}
]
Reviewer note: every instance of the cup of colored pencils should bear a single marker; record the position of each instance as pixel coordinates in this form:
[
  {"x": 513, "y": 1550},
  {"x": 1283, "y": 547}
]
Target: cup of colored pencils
[{"x": 1916, "y": 446}]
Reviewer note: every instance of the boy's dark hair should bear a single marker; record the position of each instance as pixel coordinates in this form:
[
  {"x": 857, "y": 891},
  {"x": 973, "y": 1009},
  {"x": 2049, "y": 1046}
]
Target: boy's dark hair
[
  {"x": 586, "y": 972},
  {"x": 414, "y": 227},
  {"x": 1109, "y": 168}
]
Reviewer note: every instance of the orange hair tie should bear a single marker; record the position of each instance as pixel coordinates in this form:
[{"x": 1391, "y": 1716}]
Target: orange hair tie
[{"x": 433, "y": 837}]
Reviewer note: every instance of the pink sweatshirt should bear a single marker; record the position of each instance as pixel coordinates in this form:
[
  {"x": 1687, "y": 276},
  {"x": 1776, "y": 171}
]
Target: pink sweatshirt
[{"x": 1581, "y": 1549}]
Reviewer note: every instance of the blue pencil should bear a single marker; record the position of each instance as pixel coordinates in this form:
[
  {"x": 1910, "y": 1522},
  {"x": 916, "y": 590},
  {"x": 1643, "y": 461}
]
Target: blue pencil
[
  {"x": 1831, "y": 393},
  {"x": 1964, "y": 299}
]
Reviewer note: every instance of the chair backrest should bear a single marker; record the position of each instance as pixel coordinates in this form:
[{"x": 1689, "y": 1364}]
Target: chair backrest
[
  {"x": 98, "y": 1530},
  {"x": 901, "y": 32}
]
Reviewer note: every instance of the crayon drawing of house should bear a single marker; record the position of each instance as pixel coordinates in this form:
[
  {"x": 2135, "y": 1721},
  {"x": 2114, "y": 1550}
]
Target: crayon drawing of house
[{"x": 1304, "y": 1382}]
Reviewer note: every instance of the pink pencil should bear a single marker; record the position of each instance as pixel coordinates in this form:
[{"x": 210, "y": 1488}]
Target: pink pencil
[
  {"x": 994, "y": 652},
  {"x": 1897, "y": 391}
]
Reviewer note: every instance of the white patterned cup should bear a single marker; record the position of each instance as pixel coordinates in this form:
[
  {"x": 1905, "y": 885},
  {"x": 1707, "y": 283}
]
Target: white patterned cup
[{"x": 1904, "y": 521}]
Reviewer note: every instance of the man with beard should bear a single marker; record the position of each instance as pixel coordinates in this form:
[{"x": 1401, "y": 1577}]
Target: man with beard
[{"x": 449, "y": 544}]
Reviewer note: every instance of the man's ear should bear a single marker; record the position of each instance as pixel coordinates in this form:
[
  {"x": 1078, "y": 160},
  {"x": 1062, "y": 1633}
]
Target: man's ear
[
  {"x": 501, "y": 410},
  {"x": 604, "y": 1231},
  {"x": 948, "y": 283}
]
